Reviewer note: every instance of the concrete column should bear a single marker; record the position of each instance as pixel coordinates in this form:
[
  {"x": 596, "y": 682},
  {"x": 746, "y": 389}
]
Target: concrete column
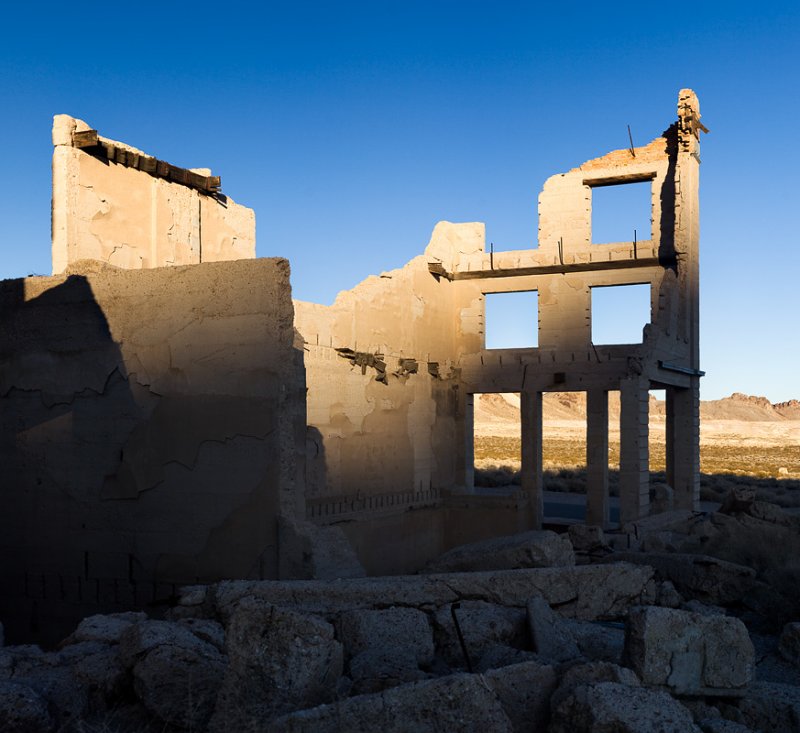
[
  {"x": 531, "y": 414},
  {"x": 469, "y": 443},
  {"x": 597, "y": 457},
  {"x": 683, "y": 445},
  {"x": 634, "y": 460}
]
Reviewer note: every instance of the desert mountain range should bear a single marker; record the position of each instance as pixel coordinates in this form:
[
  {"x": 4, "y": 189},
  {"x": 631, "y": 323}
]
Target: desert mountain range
[{"x": 572, "y": 406}]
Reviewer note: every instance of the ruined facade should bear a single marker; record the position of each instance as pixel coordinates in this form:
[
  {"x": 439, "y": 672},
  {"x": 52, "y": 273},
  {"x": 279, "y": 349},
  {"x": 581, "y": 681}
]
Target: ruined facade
[
  {"x": 165, "y": 410},
  {"x": 399, "y": 428}
]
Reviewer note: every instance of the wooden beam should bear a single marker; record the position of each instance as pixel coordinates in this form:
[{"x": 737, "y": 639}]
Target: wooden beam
[
  {"x": 84, "y": 139},
  {"x": 619, "y": 180},
  {"x": 436, "y": 269},
  {"x": 94, "y": 145}
]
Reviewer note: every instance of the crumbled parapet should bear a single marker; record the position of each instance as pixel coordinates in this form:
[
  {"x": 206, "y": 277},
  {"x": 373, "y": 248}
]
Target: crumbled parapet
[{"x": 115, "y": 203}]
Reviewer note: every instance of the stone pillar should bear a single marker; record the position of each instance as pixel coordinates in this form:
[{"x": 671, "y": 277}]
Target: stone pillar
[
  {"x": 683, "y": 445},
  {"x": 531, "y": 415},
  {"x": 469, "y": 443},
  {"x": 597, "y": 457},
  {"x": 634, "y": 468}
]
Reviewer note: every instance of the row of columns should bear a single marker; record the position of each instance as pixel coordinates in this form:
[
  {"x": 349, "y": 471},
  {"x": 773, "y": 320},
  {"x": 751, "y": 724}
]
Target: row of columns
[{"x": 682, "y": 451}]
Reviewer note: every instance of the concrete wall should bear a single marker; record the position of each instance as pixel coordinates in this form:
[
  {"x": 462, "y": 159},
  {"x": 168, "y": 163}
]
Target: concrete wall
[
  {"x": 151, "y": 430},
  {"x": 381, "y": 438},
  {"x": 114, "y": 203},
  {"x": 385, "y": 407}
]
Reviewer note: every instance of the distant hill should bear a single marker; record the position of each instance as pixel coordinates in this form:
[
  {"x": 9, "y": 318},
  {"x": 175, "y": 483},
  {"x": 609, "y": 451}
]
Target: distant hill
[{"x": 498, "y": 408}]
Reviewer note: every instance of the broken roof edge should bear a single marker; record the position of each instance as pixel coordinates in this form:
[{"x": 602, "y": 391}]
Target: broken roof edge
[{"x": 73, "y": 132}]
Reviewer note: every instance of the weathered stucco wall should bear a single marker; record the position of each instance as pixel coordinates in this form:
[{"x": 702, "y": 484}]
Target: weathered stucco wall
[
  {"x": 385, "y": 408},
  {"x": 114, "y": 203},
  {"x": 152, "y": 427}
]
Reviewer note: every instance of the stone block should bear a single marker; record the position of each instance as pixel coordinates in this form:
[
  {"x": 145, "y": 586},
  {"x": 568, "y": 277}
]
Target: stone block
[
  {"x": 789, "y": 643},
  {"x": 482, "y": 625},
  {"x": 403, "y": 629},
  {"x": 456, "y": 704},
  {"x": 689, "y": 654},
  {"x": 524, "y": 691},
  {"x": 701, "y": 577},
  {"x": 535, "y": 549},
  {"x": 279, "y": 660},
  {"x": 22, "y": 710},
  {"x": 589, "y": 674},
  {"x": 611, "y": 706},
  {"x": 551, "y": 638}
]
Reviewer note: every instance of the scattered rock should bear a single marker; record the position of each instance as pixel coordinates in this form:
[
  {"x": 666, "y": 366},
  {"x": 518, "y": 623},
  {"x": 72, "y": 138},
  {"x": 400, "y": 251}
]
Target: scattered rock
[
  {"x": 279, "y": 660},
  {"x": 611, "y": 706},
  {"x": 661, "y": 498},
  {"x": 667, "y": 595},
  {"x": 376, "y": 669},
  {"x": 702, "y": 577},
  {"x": 551, "y": 638},
  {"x": 767, "y": 706},
  {"x": 312, "y": 551},
  {"x": 704, "y": 609},
  {"x": 524, "y": 691},
  {"x": 140, "y": 638},
  {"x": 499, "y": 655},
  {"x": 789, "y": 643},
  {"x": 689, "y": 654},
  {"x": 586, "y": 592},
  {"x": 598, "y": 641},
  {"x": 206, "y": 630},
  {"x": 22, "y": 710},
  {"x": 534, "y": 549},
  {"x": 66, "y": 697},
  {"x": 98, "y": 668},
  {"x": 406, "y": 630},
  {"x": 588, "y": 542},
  {"x": 589, "y": 674},
  {"x": 720, "y": 725},
  {"x": 179, "y": 684},
  {"x": 457, "y": 704},
  {"x": 482, "y": 625},
  {"x": 107, "y": 628}
]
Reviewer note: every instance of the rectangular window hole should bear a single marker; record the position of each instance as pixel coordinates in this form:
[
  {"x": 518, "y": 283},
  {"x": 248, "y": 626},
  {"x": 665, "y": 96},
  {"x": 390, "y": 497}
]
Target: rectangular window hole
[
  {"x": 619, "y": 313},
  {"x": 496, "y": 442},
  {"x": 512, "y": 320},
  {"x": 620, "y": 210}
]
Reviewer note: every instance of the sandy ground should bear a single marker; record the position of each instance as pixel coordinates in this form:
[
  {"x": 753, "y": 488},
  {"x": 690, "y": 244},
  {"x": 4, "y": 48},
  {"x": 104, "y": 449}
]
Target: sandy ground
[{"x": 770, "y": 434}]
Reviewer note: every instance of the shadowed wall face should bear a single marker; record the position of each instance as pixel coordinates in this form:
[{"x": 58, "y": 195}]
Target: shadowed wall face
[{"x": 151, "y": 424}]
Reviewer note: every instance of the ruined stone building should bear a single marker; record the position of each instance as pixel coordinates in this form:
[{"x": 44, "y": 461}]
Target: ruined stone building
[{"x": 169, "y": 415}]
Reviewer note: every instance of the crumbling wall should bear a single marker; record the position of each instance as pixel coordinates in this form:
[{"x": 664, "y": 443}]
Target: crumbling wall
[
  {"x": 114, "y": 203},
  {"x": 385, "y": 409},
  {"x": 151, "y": 431}
]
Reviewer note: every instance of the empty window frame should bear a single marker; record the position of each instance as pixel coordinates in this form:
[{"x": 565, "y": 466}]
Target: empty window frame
[
  {"x": 621, "y": 212},
  {"x": 511, "y": 320},
  {"x": 619, "y": 313}
]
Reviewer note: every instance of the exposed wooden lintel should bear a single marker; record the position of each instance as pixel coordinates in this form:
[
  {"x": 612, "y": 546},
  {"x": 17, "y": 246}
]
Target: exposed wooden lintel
[
  {"x": 436, "y": 268},
  {"x": 91, "y": 143}
]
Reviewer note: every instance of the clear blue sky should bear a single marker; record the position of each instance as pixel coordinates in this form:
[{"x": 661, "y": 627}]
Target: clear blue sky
[{"x": 352, "y": 128}]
